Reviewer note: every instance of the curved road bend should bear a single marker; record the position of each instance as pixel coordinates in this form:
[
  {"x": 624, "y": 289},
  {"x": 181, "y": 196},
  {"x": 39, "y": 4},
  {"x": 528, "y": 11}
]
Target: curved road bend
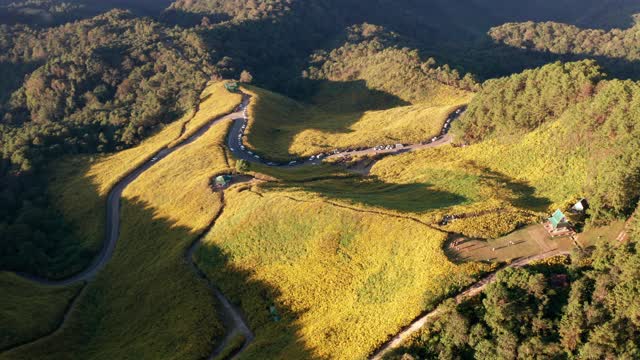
[
  {"x": 112, "y": 233},
  {"x": 113, "y": 207},
  {"x": 238, "y": 148}
]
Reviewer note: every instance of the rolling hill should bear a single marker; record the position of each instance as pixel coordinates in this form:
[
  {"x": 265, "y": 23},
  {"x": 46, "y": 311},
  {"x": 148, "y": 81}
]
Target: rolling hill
[{"x": 105, "y": 114}]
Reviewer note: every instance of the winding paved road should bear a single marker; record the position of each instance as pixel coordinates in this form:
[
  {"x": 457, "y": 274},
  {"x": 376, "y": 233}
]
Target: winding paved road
[
  {"x": 232, "y": 317},
  {"x": 235, "y": 142},
  {"x": 236, "y": 325}
]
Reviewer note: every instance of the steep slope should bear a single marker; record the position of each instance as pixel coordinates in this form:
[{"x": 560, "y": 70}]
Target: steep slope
[
  {"x": 92, "y": 86},
  {"x": 365, "y": 92},
  {"x": 587, "y": 147},
  {"x": 616, "y": 48}
]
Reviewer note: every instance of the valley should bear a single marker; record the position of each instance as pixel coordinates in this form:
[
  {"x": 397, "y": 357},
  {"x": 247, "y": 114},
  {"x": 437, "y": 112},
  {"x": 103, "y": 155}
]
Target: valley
[{"x": 288, "y": 179}]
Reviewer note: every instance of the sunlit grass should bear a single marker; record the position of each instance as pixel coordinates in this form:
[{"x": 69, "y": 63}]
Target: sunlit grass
[
  {"x": 330, "y": 272},
  {"x": 281, "y": 127},
  {"x": 147, "y": 302}
]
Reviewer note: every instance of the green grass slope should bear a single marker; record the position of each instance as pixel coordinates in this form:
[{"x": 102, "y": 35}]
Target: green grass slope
[
  {"x": 147, "y": 302},
  {"x": 583, "y": 145},
  {"x": 280, "y": 127},
  {"x": 314, "y": 286}
]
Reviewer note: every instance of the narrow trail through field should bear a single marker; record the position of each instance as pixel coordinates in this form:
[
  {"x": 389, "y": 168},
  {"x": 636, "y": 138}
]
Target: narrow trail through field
[
  {"x": 472, "y": 291},
  {"x": 231, "y": 316}
]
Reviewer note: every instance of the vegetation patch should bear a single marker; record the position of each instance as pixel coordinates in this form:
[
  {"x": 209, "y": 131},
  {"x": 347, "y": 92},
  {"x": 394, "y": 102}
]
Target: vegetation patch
[
  {"x": 147, "y": 291},
  {"x": 329, "y": 273},
  {"x": 30, "y": 311},
  {"x": 281, "y": 128}
]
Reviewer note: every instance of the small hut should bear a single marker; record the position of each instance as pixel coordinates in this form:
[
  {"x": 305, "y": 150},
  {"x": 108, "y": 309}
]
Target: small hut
[
  {"x": 558, "y": 225},
  {"x": 232, "y": 86},
  {"x": 222, "y": 181}
]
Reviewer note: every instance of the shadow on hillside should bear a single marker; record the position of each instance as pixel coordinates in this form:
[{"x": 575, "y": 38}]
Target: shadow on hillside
[
  {"x": 350, "y": 96},
  {"x": 12, "y": 77},
  {"x": 191, "y": 19},
  {"x": 150, "y": 301},
  {"x": 335, "y": 108},
  {"x": 371, "y": 191},
  {"x": 488, "y": 59},
  {"x": 525, "y": 194}
]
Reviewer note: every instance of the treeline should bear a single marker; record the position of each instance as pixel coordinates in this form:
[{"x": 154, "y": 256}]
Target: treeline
[
  {"x": 46, "y": 13},
  {"x": 568, "y": 39},
  {"x": 617, "y": 49},
  {"x": 97, "y": 85},
  {"x": 595, "y": 126},
  {"x": 585, "y": 309},
  {"x": 520, "y": 103},
  {"x": 235, "y": 9},
  {"x": 377, "y": 56}
]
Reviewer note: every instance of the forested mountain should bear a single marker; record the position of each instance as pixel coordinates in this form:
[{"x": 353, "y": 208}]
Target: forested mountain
[
  {"x": 104, "y": 84},
  {"x": 582, "y": 310},
  {"x": 385, "y": 62},
  {"x": 618, "y": 49},
  {"x": 553, "y": 102},
  {"x": 587, "y": 121},
  {"x": 93, "y": 86},
  {"x": 56, "y": 12},
  {"x": 422, "y": 19}
]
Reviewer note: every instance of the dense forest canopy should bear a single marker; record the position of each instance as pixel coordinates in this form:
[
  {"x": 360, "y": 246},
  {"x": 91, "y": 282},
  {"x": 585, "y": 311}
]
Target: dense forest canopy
[
  {"x": 585, "y": 309},
  {"x": 96, "y": 85},
  {"x": 56, "y": 12},
  {"x": 617, "y": 49},
  {"x": 387, "y": 63},
  {"x": 598, "y": 118}
]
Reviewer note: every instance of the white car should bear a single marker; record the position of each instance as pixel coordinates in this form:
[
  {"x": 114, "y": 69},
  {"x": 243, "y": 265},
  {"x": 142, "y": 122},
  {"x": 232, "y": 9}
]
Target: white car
[
  {"x": 242, "y": 147},
  {"x": 154, "y": 159},
  {"x": 256, "y": 156},
  {"x": 293, "y": 162},
  {"x": 250, "y": 153}
]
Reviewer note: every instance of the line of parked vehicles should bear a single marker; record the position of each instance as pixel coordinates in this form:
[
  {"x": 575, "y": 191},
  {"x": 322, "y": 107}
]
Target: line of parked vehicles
[{"x": 445, "y": 129}]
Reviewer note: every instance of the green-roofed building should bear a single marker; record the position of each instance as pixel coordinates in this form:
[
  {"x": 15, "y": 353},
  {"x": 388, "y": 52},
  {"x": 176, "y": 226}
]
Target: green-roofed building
[
  {"x": 232, "y": 86},
  {"x": 558, "y": 220}
]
